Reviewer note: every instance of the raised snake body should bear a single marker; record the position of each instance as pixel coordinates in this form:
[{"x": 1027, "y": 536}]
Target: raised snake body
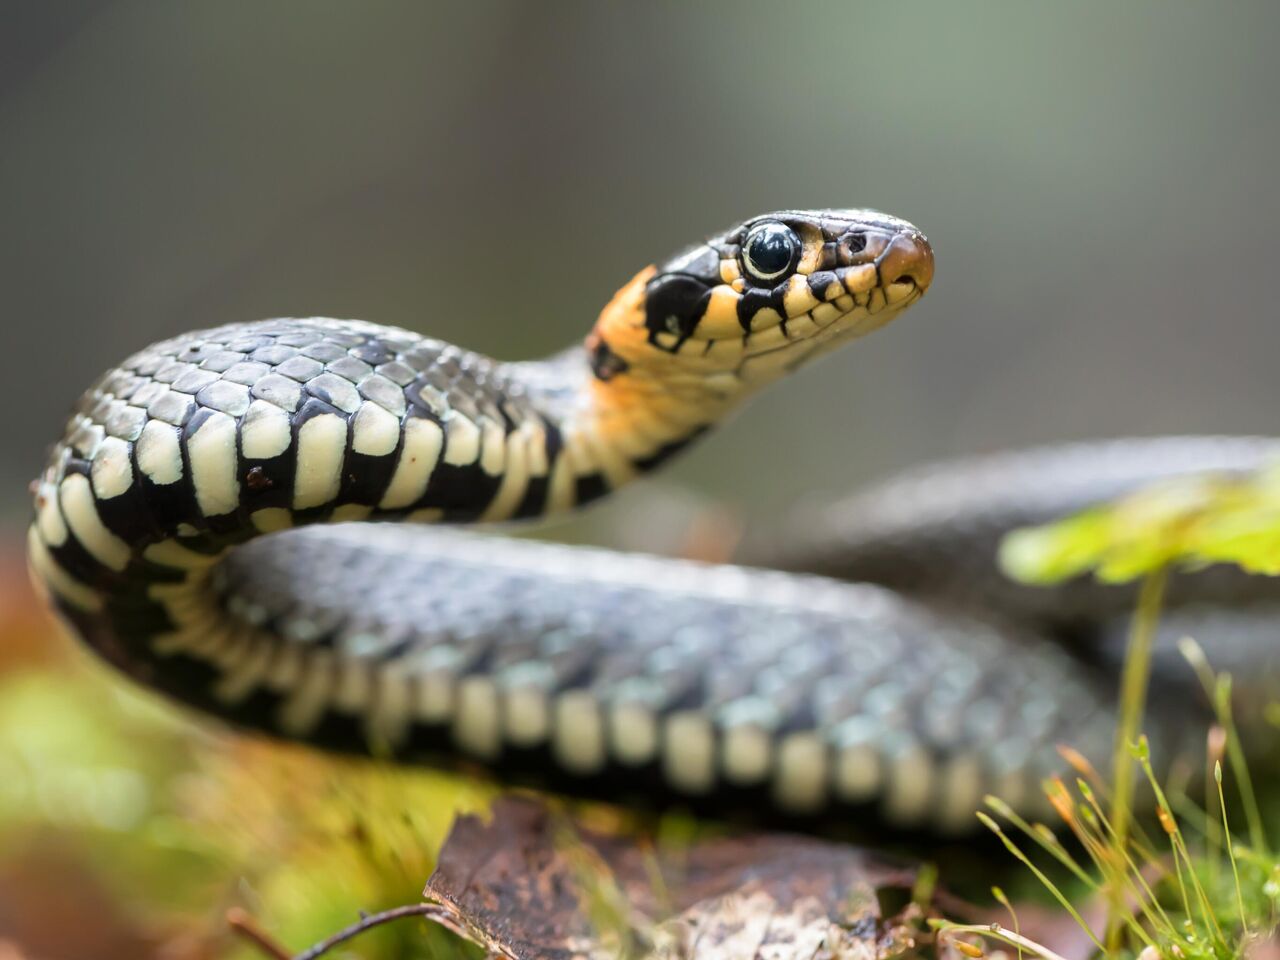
[{"x": 912, "y": 693}]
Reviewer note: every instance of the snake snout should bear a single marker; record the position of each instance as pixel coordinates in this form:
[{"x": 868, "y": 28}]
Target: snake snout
[{"x": 908, "y": 260}]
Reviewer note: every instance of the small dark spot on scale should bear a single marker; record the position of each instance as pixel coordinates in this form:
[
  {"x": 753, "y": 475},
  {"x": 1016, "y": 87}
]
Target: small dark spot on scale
[
  {"x": 257, "y": 479},
  {"x": 605, "y": 364}
]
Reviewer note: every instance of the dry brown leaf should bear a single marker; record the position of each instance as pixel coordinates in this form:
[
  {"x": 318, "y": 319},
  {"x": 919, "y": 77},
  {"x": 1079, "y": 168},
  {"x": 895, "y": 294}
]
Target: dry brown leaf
[{"x": 519, "y": 890}]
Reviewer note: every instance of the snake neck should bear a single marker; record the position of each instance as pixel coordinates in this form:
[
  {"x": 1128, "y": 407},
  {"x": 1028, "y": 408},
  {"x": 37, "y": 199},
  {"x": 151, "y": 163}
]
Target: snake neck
[
  {"x": 611, "y": 412},
  {"x": 604, "y": 431},
  {"x": 618, "y": 413}
]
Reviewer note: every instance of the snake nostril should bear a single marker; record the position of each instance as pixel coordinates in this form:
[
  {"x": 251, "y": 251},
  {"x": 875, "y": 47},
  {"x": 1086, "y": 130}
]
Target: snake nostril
[
  {"x": 857, "y": 242},
  {"x": 898, "y": 269}
]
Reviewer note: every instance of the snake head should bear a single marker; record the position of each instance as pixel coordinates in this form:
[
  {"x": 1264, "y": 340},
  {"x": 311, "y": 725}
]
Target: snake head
[{"x": 751, "y": 304}]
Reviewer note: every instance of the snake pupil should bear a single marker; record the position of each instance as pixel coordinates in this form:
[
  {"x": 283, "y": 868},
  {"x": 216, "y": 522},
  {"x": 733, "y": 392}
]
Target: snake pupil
[{"x": 769, "y": 250}]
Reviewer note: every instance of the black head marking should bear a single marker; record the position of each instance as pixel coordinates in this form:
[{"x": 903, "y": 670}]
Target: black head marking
[
  {"x": 674, "y": 303},
  {"x": 754, "y": 299}
]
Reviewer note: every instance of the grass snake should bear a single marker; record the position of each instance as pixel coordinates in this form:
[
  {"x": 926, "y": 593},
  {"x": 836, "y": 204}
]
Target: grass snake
[{"x": 194, "y": 526}]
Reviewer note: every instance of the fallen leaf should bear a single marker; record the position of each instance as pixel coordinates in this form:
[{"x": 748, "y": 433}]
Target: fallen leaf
[{"x": 517, "y": 886}]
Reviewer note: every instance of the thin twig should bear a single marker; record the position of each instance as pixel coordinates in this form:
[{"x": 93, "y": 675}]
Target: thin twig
[
  {"x": 243, "y": 925},
  {"x": 368, "y": 923},
  {"x": 998, "y": 932}
]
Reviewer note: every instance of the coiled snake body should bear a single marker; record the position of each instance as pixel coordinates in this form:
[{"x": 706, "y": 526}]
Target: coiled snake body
[{"x": 911, "y": 693}]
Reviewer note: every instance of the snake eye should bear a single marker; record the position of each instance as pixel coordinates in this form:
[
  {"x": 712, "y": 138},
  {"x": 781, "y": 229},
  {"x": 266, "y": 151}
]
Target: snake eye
[{"x": 769, "y": 250}]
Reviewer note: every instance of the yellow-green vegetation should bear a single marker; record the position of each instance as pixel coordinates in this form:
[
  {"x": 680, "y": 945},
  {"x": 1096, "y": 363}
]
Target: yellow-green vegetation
[
  {"x": 1189, "y": 521},
  {"x": 1196, "y": 886},
  {"x": 174, "y": 828}
]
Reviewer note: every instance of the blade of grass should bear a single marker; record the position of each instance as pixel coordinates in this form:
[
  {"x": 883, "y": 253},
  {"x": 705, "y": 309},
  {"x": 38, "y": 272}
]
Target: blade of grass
[
  {"x": 1143, "y": 894},
  {"x": 1181, "y": 850},
  {"x": 1217, "y": 688},
  {"x": 1044, "y": 879},
  {"x": 1133, "y": 699},
  {"x": 1231, "y": 854},
  {"x": 1048, "y": 843}
]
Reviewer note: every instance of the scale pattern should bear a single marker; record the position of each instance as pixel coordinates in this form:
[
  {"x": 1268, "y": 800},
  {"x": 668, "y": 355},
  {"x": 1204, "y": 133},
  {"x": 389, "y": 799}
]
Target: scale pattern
[{"x": 601, "y": 673}]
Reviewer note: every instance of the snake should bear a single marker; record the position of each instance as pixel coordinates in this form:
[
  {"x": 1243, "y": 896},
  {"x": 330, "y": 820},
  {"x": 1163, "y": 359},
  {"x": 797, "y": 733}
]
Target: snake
[{"x": 206, "y": 526}]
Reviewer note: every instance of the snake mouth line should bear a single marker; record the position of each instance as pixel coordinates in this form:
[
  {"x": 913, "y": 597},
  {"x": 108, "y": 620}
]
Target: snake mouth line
[{"x": 854, "y": 324}]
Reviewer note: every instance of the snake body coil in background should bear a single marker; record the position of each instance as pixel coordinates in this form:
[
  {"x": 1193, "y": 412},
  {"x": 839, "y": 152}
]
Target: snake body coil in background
[{"x": 911, "y": 694}]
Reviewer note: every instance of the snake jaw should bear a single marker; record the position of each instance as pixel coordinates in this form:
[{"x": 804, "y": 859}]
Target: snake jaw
[{"x": 857, "y": 283}]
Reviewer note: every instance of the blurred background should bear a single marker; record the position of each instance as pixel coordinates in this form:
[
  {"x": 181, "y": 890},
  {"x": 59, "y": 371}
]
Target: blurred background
[{"x": 1098, "y": 181}]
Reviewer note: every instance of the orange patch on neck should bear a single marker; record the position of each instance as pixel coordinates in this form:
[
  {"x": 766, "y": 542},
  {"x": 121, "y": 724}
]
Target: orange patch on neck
[
  {"x": 620, "y": 325},
  {"x": 638, "y": 409}
]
